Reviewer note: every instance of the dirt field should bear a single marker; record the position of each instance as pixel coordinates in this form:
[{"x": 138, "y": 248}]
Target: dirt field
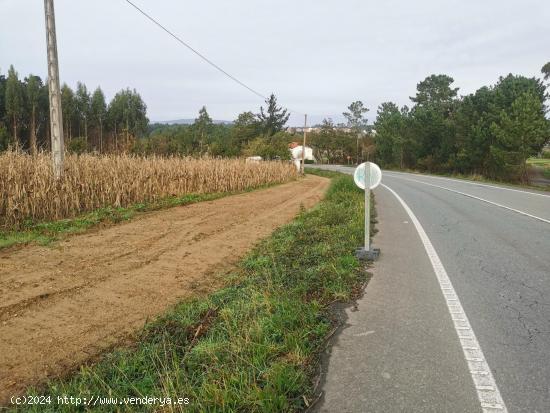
[{"x": 62, "y": 305}]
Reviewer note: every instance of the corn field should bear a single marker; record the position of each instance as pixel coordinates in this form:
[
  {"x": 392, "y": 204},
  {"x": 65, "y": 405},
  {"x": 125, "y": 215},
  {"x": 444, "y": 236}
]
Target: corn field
[{"x": 30, "y": 191}]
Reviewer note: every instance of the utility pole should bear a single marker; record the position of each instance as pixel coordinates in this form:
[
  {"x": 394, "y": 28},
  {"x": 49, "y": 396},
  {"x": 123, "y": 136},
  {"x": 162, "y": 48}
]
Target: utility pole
[
  {"x": 304, "y": 146},
  {"x": 56, "y": 116}
]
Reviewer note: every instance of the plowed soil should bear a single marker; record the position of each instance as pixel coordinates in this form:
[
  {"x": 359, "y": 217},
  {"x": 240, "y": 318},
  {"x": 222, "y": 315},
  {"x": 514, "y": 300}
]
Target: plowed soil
[{"x": 63, "y": 305}]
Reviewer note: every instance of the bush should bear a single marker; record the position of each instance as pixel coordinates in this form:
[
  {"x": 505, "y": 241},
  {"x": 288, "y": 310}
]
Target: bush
[{"x": 77, "y": 145}]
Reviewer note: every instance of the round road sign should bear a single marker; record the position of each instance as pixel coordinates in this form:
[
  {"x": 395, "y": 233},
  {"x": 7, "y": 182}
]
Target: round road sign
[{"x": 375, "y": 175}]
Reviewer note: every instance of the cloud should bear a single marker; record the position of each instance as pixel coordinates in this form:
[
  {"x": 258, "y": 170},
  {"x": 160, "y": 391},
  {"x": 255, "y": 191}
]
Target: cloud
[{"x": 316, "y": 55}]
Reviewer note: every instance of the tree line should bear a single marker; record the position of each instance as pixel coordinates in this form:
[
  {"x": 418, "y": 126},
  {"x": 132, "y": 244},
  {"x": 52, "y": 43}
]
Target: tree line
[
  {"x": 491, "y": 132},
  {"x": 345, "y": 143},
  {"x": 262, "y": 134},
  {"x": 89, "y": 122}
]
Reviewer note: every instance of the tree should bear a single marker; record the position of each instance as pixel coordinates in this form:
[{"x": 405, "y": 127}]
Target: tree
[
  {"x": 98, "y": 112},
  {"x": 2, "y": 98},
  {"x": 323, "y": 141},
  {"x": 68, "y": 108},
  {"x": 43, "y": 117},
  {"x": 34, "y": 84},
  {"x": 245, "y": 128},
  {"x": 4, "y": 134},
  {"x": 546, "y": 71},
  {"x": 432, "y": 123},
  {"x": 357, "y": 121},
  {"x": 272, "y": 147},
  {"x": 82, "y": 101},
  {"x": 127, "y": 112},
  {"x": 473, "y": 119},
  {"x": 389, "y": 137},
  {"x": 14, "y": 101},
  {"x": 435, "y": 90},
  {"x": 202, "y": 127},
  {"x": 274, "y": 118},
  {"x": 520, "y": 133},
  {"x": 510, "y": 87},
  {"x": 355, "y": 116}
]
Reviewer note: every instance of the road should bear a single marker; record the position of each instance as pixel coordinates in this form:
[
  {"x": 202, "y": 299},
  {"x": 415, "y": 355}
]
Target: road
[{"x": 478, "y": 340}]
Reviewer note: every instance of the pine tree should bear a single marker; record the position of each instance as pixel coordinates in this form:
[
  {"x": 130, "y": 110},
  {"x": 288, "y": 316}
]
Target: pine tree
[{"x": 274, "y": 118}]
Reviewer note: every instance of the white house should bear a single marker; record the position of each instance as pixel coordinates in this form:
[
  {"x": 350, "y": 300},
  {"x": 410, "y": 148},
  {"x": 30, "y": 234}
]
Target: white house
[{"x": 296, "y": 154}]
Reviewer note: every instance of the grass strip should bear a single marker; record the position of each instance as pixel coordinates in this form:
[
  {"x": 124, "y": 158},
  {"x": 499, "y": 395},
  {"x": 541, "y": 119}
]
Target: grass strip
[{"x": 252, "y": 346}]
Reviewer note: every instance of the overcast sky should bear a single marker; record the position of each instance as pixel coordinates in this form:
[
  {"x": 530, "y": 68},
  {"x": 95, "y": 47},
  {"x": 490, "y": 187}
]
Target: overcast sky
[{"x": 317, "y": 56}]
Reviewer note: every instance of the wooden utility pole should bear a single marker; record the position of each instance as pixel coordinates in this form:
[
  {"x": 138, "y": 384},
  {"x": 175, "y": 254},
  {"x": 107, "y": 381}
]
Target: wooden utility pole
[
  {"x": 304, "y": 146},
  {"x": 56, "y": 116}
]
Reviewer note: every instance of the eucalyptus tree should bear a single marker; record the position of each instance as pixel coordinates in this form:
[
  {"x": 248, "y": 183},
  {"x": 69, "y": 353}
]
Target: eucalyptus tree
[
  {"x": 82, "y": 101},
  {"x": 4, "y": 135},
  {"x": 202, "y": 127},
  {"x": 33, "y": 91},
  {"x": 127, "y": 113},
  {"x": 14, "y": 102},
  {"x": 98, "y": 115},
  {"x": 68, "y": 108},
  {"x": 357, "y": 121}
]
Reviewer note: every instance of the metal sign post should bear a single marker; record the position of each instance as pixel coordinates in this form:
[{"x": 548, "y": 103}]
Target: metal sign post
[
  {"x": 367, "y": 176},
  {"x": 367, "y": 206}
]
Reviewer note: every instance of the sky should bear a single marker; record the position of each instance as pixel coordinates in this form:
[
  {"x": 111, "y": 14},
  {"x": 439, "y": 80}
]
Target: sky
[{"x": 317, "y": 56}]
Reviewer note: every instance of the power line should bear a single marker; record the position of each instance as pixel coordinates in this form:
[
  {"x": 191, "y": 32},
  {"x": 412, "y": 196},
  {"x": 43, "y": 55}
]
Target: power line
[{"x": 203, "y": 57}]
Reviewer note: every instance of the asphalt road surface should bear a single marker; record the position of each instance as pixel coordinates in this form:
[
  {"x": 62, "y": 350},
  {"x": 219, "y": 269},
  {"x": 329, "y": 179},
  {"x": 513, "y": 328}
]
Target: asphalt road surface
[{"x": 457, "y": 316}]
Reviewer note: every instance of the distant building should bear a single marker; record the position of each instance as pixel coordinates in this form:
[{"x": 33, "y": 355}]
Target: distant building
[{"x": 312, "y": 129}]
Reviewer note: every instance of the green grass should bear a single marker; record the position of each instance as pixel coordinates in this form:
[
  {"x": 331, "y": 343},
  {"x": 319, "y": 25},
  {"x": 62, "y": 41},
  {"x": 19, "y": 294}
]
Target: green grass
[
  {"x": 254, "y": 345},
  {"x": 44, "y": 233},
  {"x": 545, "y": 162},
  {"x": 541, "y": 163}
]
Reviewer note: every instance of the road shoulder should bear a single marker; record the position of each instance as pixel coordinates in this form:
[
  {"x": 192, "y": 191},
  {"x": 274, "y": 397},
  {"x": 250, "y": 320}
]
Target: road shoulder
[{"x": 398, "y": 350}]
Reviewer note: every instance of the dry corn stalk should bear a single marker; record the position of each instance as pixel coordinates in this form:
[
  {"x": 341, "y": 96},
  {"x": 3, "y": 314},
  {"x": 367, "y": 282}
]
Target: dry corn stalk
[{"x": 30, "y": 191}]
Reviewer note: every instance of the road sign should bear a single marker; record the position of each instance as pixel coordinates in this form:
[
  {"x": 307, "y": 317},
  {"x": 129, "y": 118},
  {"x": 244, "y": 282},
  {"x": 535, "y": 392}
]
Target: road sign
[
  {"x": 367, "y": 176},
  {"x": 375, "y": 175}
]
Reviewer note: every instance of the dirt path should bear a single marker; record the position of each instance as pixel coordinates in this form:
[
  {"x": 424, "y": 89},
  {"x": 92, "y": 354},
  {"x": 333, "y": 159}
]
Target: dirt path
[
  {"x": 536, "y": 176},
  {"x": 62, "y": 305}
]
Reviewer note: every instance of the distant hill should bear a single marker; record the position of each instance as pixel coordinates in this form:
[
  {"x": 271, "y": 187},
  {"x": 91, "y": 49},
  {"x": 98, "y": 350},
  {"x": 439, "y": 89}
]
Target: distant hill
[{"x": 189, "y": 122}]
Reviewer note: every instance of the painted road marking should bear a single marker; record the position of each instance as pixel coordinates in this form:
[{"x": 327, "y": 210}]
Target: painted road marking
[
  {"x": 464, "y": 181},
  {"x": 490, "y": 399},
  {"x": 478, "y": 198}
]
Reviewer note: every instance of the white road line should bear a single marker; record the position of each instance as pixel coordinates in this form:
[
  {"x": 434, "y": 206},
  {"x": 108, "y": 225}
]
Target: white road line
[
  {"x": 484, "y": 382},
  {"x": 464, "y": 181},
  {"x": 478, "y": 198}
]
